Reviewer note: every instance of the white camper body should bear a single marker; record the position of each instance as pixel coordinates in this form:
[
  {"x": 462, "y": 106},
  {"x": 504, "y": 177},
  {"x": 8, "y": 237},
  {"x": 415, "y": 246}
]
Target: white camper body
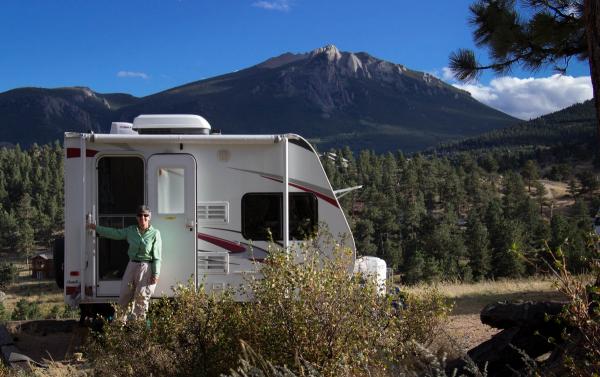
[{"x": 214, "y": 198}]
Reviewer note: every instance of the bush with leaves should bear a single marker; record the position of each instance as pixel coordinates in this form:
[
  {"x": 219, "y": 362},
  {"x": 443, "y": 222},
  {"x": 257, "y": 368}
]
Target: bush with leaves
[
  {"x": 582, "y": 313},
  {"x": 305, "y": 306},
  {"x": 3, "y": 313},
  {"x": 310, "y": 305},
  {"x": 192, "y": 334},
  {"x": 8, "y": 274},
  {"x": 62, "y": 311},
  {"x": 26, "y": 310}
]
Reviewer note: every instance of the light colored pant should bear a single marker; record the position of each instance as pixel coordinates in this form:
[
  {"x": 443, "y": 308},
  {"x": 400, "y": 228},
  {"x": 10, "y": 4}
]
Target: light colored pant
[{"x": 136, "y": 285}]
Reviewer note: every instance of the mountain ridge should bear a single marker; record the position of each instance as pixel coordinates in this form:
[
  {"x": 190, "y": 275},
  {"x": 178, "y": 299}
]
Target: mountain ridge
[{"x": 334, "y": 98}]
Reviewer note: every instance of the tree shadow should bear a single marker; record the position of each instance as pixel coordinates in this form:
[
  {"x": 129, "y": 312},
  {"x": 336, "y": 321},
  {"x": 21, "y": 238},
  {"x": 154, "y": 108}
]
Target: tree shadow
[{"x": 473, "y": 303}]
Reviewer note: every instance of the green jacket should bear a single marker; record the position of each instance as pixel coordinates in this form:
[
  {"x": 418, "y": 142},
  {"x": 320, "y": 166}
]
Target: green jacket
[{"x": 145, "y": 247}]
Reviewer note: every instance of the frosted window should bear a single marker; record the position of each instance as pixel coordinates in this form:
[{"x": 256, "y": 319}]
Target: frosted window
[{"x": 171, "y": 193}]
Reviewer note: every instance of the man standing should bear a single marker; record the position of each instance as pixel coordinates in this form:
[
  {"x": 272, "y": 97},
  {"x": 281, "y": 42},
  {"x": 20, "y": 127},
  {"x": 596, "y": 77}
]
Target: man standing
[{"x": 143, "y": 269}]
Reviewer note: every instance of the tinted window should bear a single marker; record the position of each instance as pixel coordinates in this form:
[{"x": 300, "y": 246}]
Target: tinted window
[
  {"x": 262, "y": 214},
  {"x": 303, "y": 216}
]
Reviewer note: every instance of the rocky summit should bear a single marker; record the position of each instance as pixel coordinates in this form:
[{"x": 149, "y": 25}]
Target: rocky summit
[{"x": 332, "y": 97}]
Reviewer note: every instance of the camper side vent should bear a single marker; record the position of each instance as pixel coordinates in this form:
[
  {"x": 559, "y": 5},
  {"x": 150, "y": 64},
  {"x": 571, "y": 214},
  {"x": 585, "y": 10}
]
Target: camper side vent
[
  {"x": 212, "y": 212},
  {"x": 212, "y": 263}
]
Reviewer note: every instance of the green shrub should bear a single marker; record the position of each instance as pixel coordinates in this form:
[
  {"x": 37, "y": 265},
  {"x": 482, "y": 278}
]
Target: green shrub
[
  {"x": 307, "y": 310},
  {"x": 54, "y": 312},
  {"x": 62, "y": 311},
  {"x": 192, "y": 334},
  {"x": 26, "y": 310},
  {"x": 8, "y": 274},
  {"x": 582, "y": 313},
  {"x": 69, "y": 312},
  {"x": 313, "y": 307},
  {"x": 3, "y": 313}
]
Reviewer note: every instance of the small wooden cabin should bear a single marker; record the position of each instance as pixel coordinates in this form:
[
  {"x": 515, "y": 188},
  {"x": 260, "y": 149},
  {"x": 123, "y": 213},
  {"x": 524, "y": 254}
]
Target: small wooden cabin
[{"x": 42, "y": 266}]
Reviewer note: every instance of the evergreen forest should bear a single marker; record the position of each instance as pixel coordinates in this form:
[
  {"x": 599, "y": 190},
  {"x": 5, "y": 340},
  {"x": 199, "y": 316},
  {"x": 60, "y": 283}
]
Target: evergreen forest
[
  {"x": 466, "y": 216},
  {"x": 31, "y": 196},
  {"x": 462, "y": 215}
]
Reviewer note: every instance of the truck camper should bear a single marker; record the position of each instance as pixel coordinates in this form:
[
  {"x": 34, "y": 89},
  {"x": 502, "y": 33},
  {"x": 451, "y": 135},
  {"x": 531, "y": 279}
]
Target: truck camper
[{"x": 217, "y": 200}]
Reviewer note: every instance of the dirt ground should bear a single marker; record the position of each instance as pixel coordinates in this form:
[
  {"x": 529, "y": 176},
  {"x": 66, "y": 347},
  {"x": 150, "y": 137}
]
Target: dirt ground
[
  {"x": 557, "y": 196},
  {"x": 464, "y": 330},
  {"x": 47, "y": 340}
]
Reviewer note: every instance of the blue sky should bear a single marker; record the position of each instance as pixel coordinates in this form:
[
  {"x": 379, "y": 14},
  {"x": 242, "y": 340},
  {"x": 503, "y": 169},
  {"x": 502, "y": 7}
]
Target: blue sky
[{"x": 145, "y": 46}]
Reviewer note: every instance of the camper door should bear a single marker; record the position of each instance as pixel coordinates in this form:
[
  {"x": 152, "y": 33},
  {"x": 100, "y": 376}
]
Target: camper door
[
  {"x": 172, "y": 199},
  {"x": 120, "y": 190}
]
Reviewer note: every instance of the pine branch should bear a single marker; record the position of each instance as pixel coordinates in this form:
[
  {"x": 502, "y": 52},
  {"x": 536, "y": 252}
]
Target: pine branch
[
  {"x": 465, "y": 67},
  {"x": 556, "y": 10}
]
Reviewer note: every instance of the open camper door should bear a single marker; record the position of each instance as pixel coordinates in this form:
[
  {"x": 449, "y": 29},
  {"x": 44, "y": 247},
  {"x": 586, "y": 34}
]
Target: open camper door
[{"x": 172, "y": 199}]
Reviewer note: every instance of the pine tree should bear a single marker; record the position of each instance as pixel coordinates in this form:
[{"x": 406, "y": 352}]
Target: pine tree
[
  {"x": 559, "y": 231},
  {"x": 531, "y": 173},
  {"x": 506, "y": 261},
  {"x": 8, "y": 229},
  {"x": 25, "y": 215},
  {"x": 415, "y": 268},
  {"x": 364, "y": 234},
  {"x": 546, "y": 33},
  {"x": 432, "y": 270},
  {"x": 540, "y": 194},
  {"x": 478, "y": 246},
  {"x": 573, "y": 187}
]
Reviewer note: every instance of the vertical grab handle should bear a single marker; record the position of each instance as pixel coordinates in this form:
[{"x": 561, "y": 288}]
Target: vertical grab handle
[{"x": 190, "y": 224}]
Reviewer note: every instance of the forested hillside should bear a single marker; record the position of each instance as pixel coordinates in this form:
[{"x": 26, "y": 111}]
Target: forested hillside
[
  {"x": 472, "y": 217},
  {"x": 573, "y": 125},
  {"x": 468, "y": 217},
  {"x": 31, "y": 196}
]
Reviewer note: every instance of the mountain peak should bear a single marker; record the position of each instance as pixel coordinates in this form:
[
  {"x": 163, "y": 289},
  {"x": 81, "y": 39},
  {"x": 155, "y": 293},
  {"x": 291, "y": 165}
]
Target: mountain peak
[{"x": 330, "y": 51}]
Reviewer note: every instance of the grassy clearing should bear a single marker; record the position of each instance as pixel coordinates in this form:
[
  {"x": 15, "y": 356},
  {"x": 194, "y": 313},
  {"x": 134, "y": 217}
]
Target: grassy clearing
[
  {"x": 470, "y": 298},
  {"x": 43, "y": 292}
]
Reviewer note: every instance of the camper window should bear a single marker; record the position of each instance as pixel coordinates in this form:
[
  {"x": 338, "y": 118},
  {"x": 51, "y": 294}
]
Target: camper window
[
  {"x": 171, "y": 190},
  {"x": 262, "y": 215},
  {"x": 303, "y": 215}
]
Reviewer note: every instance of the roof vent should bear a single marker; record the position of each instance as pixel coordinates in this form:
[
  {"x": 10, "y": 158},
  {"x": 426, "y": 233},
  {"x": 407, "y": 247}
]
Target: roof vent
[
  {"x": 122, "y": 128},
  {"x": 173, "y": 124}
]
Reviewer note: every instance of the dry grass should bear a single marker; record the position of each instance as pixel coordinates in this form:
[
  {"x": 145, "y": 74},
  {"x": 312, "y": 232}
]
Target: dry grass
[
  {"x": 463, "y": 329},
  {"x": 45, "y": 292},
  {"x": 470, "y": 298}
]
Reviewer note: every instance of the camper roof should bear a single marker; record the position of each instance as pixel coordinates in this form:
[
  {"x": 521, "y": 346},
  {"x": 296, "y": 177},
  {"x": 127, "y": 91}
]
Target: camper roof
[{"x": 171, "y": 124}]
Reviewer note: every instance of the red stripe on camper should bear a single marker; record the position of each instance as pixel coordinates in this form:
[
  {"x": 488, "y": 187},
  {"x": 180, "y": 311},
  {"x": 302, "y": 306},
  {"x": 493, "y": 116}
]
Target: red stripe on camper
[
  {"x": 326, "y": 198},
  {"x": 76, "y": 153},
  {"x": 225, "y": 244}
]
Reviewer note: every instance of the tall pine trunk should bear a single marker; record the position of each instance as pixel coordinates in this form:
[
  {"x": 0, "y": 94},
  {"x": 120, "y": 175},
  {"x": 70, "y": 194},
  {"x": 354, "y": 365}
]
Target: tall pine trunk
[{"x": 592, "y": 25}]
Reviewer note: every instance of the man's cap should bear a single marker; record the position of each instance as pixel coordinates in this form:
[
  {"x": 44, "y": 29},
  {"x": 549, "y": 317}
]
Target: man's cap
[{"x": 143, "y": 209}]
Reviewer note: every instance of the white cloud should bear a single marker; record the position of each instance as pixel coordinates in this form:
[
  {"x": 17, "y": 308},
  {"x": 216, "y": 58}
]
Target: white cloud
[
  {"x": 447, "y": 74},
  {"x": 531, "y": 97},
  {"x": 443, "y": 74},
  {"x": 279, "y": 5},
  {"x": 140, "y": 75}
]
